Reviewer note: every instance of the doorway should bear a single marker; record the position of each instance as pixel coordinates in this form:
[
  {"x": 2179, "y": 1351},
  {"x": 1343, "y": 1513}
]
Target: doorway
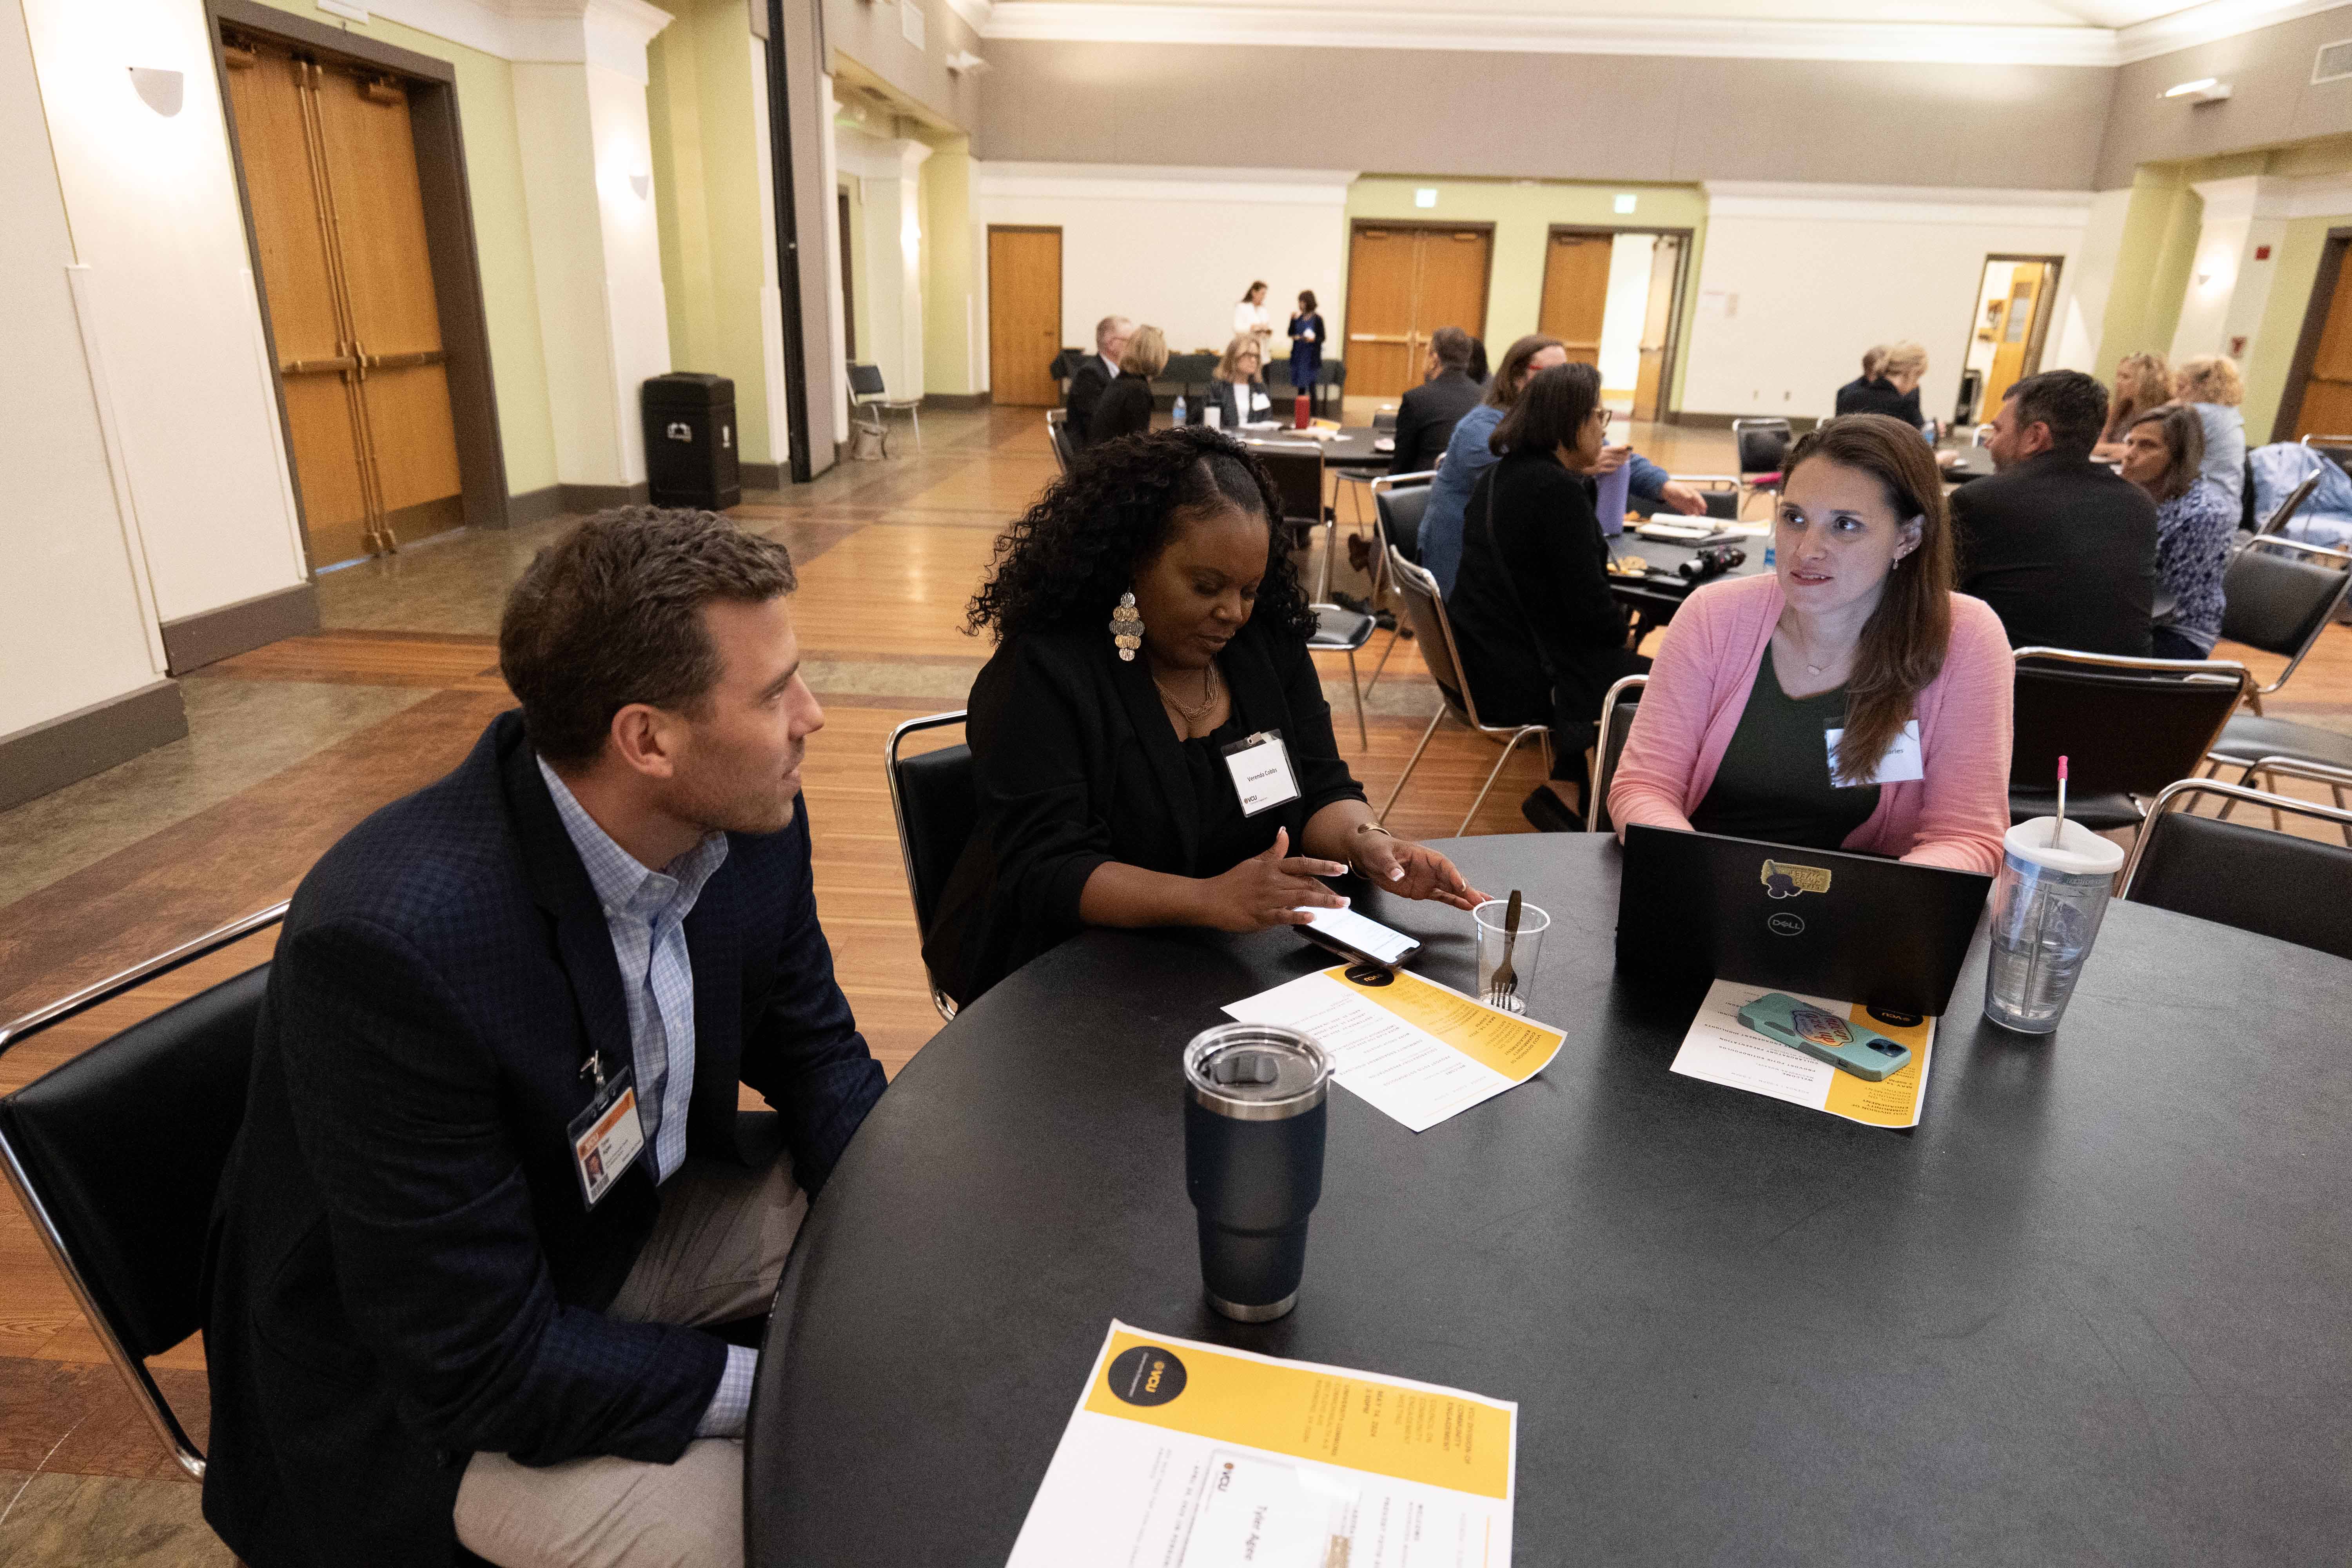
[
  {"x": 1024, "y": 315},
  {"x": 327, "y": 153},
  {"x": 2318, "y": 398},
  {"x": 2006, "y": 333},
  {"x": 1613, "y": 298},
  {"x": 1404, "y": 282}
]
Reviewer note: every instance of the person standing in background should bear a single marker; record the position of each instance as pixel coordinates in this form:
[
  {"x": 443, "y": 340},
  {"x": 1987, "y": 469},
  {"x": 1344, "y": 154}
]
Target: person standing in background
[
  {"x": 1307, "y": 335},
  {"x": 1251, "y": 317},
  {"x": 2210, "y": 385},
  {"x": 1087, "y": 382},
  {"x": 2142, "y": 382},
  {"x": 2194, "y": 526}
]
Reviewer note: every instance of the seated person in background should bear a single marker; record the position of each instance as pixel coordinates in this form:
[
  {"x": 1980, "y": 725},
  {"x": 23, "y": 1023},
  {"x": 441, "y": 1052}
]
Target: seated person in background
[
  {"x": 1894, "y": 391},
  {"x": 434, "y": 1321},
  {"x": 1439, "y": 546},
  {"x": 1103, "y": 790},
  {"x": 1849, "y": 700},
  {"x": 2142, "y": 382},
  {"x": 1125, "y": 408},
  {"x": 1234, "y": 390},
  {"x": 2210, "y": 385},
  {"x": 1087, "y": 382},
  {"x": 1476, "y": 369},
  {"x": 2194, "y": 527},
  {"x": 1874, "y": 359},
  {"x": 2061, "y": 548},
  {"x": 1542, "y": 637},
  {"x": 1426, "y": 415}
]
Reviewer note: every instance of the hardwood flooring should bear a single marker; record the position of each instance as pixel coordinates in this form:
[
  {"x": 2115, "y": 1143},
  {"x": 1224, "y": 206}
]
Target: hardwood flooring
[{"x": 294, "y": 743}]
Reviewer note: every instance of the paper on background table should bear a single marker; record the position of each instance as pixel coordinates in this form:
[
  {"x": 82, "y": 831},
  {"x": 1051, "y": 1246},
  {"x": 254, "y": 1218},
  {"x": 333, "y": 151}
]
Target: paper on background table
[
  {"x": 1416, "y": 1049},
  {"x": 1721, "y": 1049},
  {"x": 1184, "y": 1454}
]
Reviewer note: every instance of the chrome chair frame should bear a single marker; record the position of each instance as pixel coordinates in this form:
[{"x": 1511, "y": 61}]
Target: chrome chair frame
[
  {"x": 939, "y": 999},
  {"x": 1057, "y": 422},
  {"x": 150, "y": 1398},
  {"x": 1512, "y": 734},
  {"x": 1318, "y": 643},
  {"x": 875, "y": 403},
  {"x": 2268, "y": 768},
  {"x": 2215, "y": 671},
  {"x": 1604, "y": 760},
  {"x": 1758, "y": 422},
  {"x": 1383, "y": 584},
  {"x": 2234, "y": 794},
  {"x": 2324, "y": 553},
  {"x": 2288, "y": 508}
]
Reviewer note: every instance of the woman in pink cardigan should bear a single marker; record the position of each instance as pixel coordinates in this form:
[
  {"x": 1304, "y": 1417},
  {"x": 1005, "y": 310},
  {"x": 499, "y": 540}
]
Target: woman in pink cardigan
[{"x": 1849, "y": 700}]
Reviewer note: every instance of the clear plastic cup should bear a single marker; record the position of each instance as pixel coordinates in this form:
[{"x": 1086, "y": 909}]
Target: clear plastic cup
[
  {"x": 1494, "y": 944},
  {"x": 2046, "y": 910}
]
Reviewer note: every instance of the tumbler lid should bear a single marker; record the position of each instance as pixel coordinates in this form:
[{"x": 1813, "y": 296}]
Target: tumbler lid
[
  {"x": 1256, "y": 1072},
  {"x": 2079, "y": 852}
]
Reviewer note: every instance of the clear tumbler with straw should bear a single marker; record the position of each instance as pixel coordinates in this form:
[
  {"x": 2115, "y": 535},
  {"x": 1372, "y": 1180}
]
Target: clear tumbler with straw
[{"x": 2055, "y": 879}]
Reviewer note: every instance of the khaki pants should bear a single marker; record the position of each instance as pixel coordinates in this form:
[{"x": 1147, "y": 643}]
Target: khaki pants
[{"x": 714, "y": 1257}]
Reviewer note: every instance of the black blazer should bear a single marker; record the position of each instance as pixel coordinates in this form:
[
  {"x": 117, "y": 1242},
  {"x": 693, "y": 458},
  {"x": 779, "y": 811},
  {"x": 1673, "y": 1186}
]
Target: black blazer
[
  {"x": 402, "y": 1270},
  {"x": 2064, "y": 550},
  {"x": 1550, "y": 552},
  {"x": 1086, "y": 383},
  {"x": 1226, "y": 396},
  {"x": 1879, "y": 397},
  {"x": 1426, "y": 417},
  {"x": 1075, "y": 763},
  {"x": 1124, "y": 409}
]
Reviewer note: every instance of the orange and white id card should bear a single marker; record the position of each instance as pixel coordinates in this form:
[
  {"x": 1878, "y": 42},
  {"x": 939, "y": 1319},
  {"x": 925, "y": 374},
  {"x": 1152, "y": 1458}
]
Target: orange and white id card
[{"x": 607, "y": 1137}]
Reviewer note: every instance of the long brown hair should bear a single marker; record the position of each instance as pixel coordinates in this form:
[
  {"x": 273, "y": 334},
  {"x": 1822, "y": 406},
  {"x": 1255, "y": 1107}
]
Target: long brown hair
[
  {"x": 1904, "y": 643},
  {"x": 2184, "y": 438},
  {"x": 2142, "y": 382},
  {"x": 1504, "y": 389}
]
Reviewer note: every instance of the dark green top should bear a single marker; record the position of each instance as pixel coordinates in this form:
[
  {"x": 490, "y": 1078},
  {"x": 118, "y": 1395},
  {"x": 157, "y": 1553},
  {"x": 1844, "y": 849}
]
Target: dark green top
[{"x": 1774, "y": 782}]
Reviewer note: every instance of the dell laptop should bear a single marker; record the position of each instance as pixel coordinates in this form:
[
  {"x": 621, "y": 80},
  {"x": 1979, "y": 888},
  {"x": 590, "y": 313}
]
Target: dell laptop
[{"x": 1699, "y": 907}]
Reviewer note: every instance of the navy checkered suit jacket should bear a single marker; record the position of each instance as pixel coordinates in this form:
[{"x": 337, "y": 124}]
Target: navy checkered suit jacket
[{"x": 403, "y": 1270}]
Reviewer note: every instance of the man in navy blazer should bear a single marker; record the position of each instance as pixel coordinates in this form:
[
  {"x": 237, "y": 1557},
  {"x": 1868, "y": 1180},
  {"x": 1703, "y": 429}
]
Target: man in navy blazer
[{"x": 492, "y": 1174}]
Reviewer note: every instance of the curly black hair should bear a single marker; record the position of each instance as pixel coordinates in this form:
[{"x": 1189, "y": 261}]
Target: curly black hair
[{"x": 1063, "y": 566}]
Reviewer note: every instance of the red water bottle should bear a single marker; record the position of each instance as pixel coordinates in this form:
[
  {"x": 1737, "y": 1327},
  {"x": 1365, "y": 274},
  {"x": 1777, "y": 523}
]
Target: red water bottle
[{"x": 1299, "y": 415}]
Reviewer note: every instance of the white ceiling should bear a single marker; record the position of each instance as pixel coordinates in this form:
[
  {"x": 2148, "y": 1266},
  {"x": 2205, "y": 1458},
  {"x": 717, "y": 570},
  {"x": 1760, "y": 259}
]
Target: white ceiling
[{"x": 2058, "y": 32}]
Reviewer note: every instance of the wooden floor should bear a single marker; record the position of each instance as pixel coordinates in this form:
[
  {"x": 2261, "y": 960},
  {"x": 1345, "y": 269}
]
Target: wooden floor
[{"x": 391, "y": 695}]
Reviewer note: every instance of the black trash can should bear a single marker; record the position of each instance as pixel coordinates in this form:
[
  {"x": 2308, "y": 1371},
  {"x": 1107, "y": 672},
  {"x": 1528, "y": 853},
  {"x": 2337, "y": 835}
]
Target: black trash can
[{"x": 691, "y": 459}]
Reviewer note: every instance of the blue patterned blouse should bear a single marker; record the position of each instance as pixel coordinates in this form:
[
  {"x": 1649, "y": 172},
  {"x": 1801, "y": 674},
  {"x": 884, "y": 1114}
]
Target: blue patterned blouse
[{"x": 2192, "y": 552}]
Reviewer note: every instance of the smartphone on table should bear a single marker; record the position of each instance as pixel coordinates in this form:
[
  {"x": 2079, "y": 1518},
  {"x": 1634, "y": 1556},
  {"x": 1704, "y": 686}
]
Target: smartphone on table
[
  {"x": 1351, "y": 935},
  {"x": 1848, "y": 1047}
]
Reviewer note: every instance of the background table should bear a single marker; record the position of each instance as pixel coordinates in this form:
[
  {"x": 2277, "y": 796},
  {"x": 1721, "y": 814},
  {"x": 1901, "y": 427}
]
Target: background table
[{"x": 2097, "y": 1308}]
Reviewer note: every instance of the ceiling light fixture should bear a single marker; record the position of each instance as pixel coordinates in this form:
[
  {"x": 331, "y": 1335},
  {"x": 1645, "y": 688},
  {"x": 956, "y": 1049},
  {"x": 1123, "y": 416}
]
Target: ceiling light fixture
[
  {"x": 963, "y": 62},
  {"x": 2204, "y": 90}
]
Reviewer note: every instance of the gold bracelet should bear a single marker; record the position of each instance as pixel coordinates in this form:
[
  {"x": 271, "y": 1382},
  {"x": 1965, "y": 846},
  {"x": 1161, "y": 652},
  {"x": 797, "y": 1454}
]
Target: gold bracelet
[{"x": 1363, "y": 827}]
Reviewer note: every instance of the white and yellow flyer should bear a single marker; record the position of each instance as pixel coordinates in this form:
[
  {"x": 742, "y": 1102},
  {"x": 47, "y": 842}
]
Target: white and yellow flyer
[{"x": 1184, "y": 1454}]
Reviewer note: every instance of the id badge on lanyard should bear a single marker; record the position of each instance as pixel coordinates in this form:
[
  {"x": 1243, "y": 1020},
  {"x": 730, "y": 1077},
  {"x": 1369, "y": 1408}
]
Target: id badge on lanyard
[
  {"x": 1260, "y": 765},
  {"x": 607, "y": 1137}
]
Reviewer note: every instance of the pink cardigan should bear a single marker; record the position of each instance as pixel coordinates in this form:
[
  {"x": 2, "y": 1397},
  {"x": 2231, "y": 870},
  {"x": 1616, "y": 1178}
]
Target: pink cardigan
[{"x": 1955, "y": 816}]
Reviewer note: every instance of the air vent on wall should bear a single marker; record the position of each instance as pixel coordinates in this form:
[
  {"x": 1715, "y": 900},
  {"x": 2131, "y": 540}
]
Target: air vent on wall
[{"x": 2334, "y": 62}]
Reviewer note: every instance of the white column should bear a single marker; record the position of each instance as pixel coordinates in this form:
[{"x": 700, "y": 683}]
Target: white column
[
  {"x": 2228, "y": 289},
  {"x": 587, "y": 165},
  {"x": 889, "y": 175}
]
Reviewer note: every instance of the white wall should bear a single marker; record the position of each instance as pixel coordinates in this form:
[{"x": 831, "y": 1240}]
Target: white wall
[
  {"x": 175, "y": 320},
  {"x": 1176, "y": 247},
  {"x": 2074, "y": 339},
  {"x": 1797, "y": 280},
  {"x": 1625, "y": 314},
  {"x": 76, "y": 630},
  {"x": 889, "y": 172}
]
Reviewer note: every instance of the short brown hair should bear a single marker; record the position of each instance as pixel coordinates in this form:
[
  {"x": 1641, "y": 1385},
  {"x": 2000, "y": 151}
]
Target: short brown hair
[
  {"x": 2184, "y": 438},
  {"x": 1504, "y": 389},
  {"x": 610, "y": 614},
  {"x": 1452, "y": 347}
]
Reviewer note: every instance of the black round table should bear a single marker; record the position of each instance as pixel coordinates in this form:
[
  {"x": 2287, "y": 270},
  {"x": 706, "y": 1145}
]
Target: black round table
[{"x": 2098, "y": 1307}]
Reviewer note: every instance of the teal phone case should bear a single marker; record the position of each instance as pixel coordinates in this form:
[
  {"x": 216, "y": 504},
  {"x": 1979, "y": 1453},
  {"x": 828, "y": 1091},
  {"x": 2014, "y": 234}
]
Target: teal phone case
[{"x": 1847, "y": 1046}]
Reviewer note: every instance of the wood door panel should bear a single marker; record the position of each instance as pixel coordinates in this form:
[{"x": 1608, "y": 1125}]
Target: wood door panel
[
  {"x": 1453, "y": 281},
  {"x": 2326, "y": 409},
  {"x": 326, "y": 462},
  {"x": 1576, "y": 293},
  {"x": 288, "y": 227},
  {"x": 1382, "y": 354},
  {"x": 2334, "y": 359},
  {"x": 415, "y": 444},
  {"x": 1025, "y": 316},
  {"x": 379, "y": 215}
]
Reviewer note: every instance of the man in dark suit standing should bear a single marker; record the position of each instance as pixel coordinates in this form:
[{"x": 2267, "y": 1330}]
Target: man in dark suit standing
[
  {"x": 1426, "y": 417},
  {"x": 2063, "y": 548},
  {"x": 492, "y": 1182},
  {"x": 1087, "y": 382}
]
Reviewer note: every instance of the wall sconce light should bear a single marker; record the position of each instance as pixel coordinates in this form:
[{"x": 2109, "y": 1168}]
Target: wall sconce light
[
  {"x": 160, "y": 90},
  {"x": 641, "y": 184},
  {"x": 2204, "y": 90},
  {"x": 963, "y": 62}
]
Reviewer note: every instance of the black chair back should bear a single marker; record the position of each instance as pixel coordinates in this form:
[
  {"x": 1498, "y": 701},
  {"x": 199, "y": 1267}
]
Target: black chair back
[
  {"x": 2128, "y": 726},
  {"x": 1399, "y": 508},
  {"x": 1763, "y": 445},
  {"x": 866, "y": 381},
  {"x": 1297, "y": 473},
  {"x": 1616, "y": 722},
  {"x": 1425, "y": 611},
  {"x": 1276, "y": 375},
  {"x": 931, "y": 793},
  {"x": 2271, "y": 883},
  {"x": 2279, "y": 600}
]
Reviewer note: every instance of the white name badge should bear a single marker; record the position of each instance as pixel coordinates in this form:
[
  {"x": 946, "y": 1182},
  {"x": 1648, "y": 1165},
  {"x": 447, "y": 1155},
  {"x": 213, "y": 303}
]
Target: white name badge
[
  {"x": 1261, "y": 770},
  {"x": 607, "y": 1137},
  {"x": 1901, "y": 764}
]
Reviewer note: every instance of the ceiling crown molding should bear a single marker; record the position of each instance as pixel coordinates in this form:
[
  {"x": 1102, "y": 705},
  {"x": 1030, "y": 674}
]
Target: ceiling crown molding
[
  {"x": 2208, "y": 23},
  {"x": 1303, "y": 26},
  {"x": 608, "y": 33}
]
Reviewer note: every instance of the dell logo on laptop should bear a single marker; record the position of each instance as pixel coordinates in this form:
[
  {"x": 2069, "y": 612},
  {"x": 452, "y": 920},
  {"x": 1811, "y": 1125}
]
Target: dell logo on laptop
[{"x": 1785, "y": 924}]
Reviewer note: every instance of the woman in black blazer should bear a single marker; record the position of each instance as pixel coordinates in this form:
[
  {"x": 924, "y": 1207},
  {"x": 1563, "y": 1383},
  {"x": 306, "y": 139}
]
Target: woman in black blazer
[
  {"x": 1146, "y": 619},
  {"x": 1542, "y": 636},
  {"x": 1125, "y": 406},
  {"x": 1889, "y": 385},
  {"x": 1234, "y": 390}
]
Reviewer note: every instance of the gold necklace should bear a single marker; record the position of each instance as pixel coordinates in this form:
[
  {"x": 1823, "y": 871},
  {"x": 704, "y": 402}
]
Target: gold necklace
[{"x": 1208, "y": 695}]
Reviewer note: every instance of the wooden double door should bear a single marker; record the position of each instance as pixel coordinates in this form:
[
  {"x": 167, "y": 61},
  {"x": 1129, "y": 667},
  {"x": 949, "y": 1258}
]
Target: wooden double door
[
  {"x": 1405, "y": 280},
  {"x": 1577, "y": 265},
  {"x": 338, "y": 220}
]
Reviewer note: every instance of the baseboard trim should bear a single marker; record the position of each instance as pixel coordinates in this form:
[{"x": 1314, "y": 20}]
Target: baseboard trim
[
  {"x": 535, "y": 506},
  {"x": 194, "y": 641},
  {"x": 48, "y": 757},
  {"x": 604, "y": 498},
  {"x": 955, "y": 399},
  {"x": 765, "y": 476}
]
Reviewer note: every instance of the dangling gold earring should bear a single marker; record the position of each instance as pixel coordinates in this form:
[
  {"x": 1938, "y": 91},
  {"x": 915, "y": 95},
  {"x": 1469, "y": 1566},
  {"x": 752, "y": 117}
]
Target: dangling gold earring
[{"x": 1126, "y": 627}]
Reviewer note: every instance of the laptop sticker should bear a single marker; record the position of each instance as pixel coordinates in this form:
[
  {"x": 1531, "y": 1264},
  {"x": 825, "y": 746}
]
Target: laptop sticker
[
  {"x": 1782, "y": 881},
  {"x": 1822, "y": 1028}
]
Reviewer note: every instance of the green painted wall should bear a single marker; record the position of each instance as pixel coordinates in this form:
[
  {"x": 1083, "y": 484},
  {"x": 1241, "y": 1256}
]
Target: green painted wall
[
  {"x": 705, "y": 124},
  {"x": 1523, "y": 213},
  {"x": 502, "y": 240},
  {"x": 950, "y": 272},
  {"x": 2151, "y": 277}
]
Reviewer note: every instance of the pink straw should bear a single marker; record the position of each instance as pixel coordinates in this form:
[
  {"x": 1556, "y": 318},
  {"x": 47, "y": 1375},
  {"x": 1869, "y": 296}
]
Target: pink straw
[{"x": 2058, "y": 826}]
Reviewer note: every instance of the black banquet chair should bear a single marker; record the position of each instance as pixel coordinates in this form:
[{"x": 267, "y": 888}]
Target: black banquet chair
[
  {"x": 117, "y": 1154},
  {"x": 1425, "y": 609},
  {"x": 932, "y": 799},
  {"x": 2129, "y": 726},
  {"x": 2271, "y": 883},
  {"x": 2281, "y": 595},
  {"x": 1616, "y": 723}
]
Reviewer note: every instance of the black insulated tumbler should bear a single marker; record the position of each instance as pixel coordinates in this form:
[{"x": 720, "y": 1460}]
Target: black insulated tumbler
[{"x": 1253, "y": 1117}]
